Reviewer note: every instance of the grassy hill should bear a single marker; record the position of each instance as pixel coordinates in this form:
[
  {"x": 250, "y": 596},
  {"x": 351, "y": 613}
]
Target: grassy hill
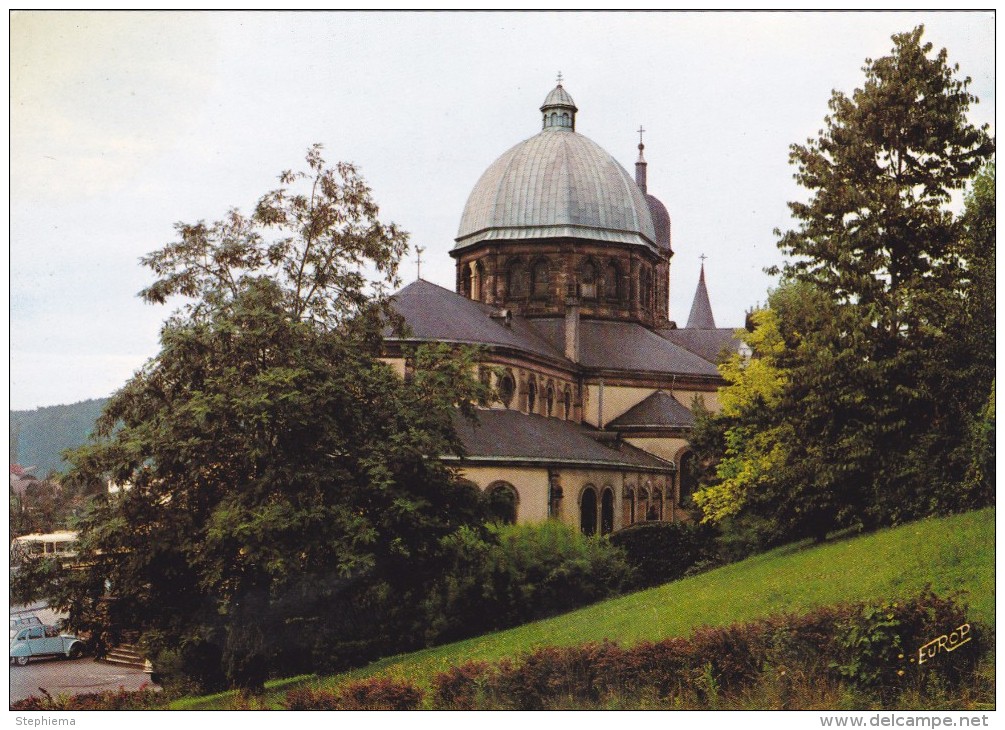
[{"x": 951, "y": 554}]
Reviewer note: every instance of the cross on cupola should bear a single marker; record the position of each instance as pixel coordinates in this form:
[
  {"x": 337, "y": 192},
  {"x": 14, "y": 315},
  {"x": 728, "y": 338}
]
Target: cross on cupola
[{"x": 559, "y": 78}]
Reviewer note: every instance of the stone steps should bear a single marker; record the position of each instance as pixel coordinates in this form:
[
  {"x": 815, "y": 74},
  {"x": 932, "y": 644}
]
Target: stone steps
[{"x": 127, "y": 655}]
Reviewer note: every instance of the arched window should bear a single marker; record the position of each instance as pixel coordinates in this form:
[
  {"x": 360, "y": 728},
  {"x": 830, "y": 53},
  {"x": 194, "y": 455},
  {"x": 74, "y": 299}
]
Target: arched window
[
  {"x": 658, "y": 504},
  {"x": 607, "y": 512},
  {"x": 514, "y": 280},
  {"x": 629, "y": 506},
  {"x": 588, "y": 280},
  {"x": 531, "y": 394},
  {"x": 476, "y": 281},
  {"x": 539, "y": 279},
  {"x": 502, "y": 501},
  {"x": 565, "y": 119},
  {"x": 466, "y": 281},
  {"x": 588, "y": 511},
  {"x": 644, "y": 293},
  {"x": 612, "y": 281},
  {"x": 688, "y": 478},
  {"x": 549, "y": 400},
  {"x": 568, "y": 402},
  {"x": 507, "y": 387}
]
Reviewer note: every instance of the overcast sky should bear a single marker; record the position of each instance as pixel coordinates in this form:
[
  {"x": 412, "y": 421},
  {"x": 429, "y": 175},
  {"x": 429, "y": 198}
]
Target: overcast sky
[{"x": 123, "y": 124}]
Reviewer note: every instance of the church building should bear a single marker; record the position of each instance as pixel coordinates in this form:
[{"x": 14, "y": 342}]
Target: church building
[{"x": 563, "y": 281}]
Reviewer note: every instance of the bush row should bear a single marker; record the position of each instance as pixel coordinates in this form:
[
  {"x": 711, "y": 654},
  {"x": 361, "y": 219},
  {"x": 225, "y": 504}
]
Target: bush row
[
  {"x": 869, "y": 647},
  {"x": 122, "y": 699}
]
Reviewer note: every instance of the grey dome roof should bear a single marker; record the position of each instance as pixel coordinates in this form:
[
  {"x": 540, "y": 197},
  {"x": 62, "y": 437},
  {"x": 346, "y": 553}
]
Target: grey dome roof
[
  {"x": 558, "y": 97},
  {"x": 661, "y": 221},
  {"x": 557, "y": 183}
]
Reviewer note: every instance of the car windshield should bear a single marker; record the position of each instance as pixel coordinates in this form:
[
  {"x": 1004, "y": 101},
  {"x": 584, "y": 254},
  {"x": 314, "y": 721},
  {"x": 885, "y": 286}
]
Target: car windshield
[{"x": 22, "y": 635}]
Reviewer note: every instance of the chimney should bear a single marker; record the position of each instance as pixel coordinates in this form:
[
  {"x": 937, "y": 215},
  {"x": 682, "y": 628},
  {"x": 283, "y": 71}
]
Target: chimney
[{"x": 572, "y": 329}]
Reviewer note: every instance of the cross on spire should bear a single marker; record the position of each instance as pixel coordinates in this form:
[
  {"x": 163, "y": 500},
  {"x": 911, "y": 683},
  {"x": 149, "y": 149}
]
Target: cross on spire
[
  {"x": 418, "y": 261},
  {"x": 703, "y": 257},
  {"x": 559, "y": 78},
  {"x": 641, "y": 130}
]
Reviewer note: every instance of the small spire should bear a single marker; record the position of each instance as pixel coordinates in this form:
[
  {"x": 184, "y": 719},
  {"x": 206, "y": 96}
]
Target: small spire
[
  {"x": 418, "y": 262},
  {"x": 640, "y": 164},
  {"x": 559, "y": 78},
  {"x": 701, "y": 309}
]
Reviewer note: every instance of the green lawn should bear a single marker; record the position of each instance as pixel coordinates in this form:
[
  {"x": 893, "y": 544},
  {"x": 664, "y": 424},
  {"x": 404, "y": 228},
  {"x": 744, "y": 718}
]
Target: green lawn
[{"x": 951, "y": 554}]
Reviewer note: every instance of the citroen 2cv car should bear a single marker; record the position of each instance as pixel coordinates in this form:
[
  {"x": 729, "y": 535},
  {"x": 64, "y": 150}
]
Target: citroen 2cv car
[{"x": 39, "y": 641}]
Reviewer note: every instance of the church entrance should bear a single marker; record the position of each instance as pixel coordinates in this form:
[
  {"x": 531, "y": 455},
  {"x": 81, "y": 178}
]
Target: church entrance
[{"x": 588, "y": 512}]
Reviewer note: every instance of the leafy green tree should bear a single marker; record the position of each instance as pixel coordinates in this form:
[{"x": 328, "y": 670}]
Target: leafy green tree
[
  {"x": 281, "y": 502},
  {"x": 872, "y": 413}
]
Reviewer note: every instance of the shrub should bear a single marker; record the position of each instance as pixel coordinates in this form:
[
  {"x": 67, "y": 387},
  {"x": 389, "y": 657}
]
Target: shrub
[
  {"x": 519, "y": 573},
  {"x": 659, "y": 552},
  {"x": 380, "y": 693},
  {"x": 375, "y": 693},
  {"x": 309, "y": 698},
  {"x": 458, "y": 688}
]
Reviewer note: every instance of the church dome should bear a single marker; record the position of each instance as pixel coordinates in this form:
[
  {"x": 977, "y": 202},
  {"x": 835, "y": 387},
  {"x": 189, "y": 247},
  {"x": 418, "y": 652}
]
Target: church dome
[{"x": 557, "y": 184}]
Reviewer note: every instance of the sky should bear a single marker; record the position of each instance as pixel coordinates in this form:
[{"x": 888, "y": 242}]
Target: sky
[{"x": 123, "y": 124}]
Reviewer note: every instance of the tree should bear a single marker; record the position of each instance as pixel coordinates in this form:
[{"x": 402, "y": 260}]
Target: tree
[
  {"x": 876, "y": 426},
  {"x": 282, "y": 502}
]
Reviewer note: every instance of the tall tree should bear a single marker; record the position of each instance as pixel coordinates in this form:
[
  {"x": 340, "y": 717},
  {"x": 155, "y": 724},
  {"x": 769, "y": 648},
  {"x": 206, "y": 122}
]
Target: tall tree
[
  {"x": 878, "y": 234},
  {"x": 281, "y": 502}
]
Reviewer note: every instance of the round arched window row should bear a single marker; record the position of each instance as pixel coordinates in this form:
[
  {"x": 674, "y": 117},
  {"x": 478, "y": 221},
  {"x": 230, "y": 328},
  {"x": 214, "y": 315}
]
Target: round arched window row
[{"x": 502, "y": 500}]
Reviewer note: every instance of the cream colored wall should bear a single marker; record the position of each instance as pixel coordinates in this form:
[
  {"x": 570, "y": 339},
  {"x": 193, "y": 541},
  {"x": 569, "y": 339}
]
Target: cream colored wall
[
  {"x": 665, "y": 448},
  {"x": 617, "y": 400},
  {"x": 530, "y": 483}
]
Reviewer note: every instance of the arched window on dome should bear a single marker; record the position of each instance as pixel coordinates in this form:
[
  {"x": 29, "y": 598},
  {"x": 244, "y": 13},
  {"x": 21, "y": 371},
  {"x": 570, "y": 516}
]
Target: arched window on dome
[
  {"x": 612, "y": 281},
  {"x": 549, "y": 400},
  {"x": 554, "y": 118},
  {"x": 531, "y": 394},
  {"x": 477, "y": 278},
  {"x": 514, "y": 280},
  {"x": 565, "y": 120},
  {"x": 466, "y": 281},
  {"x": 539, "y": 279},
  {"x": 567, "y": 398},
  {"x": 645, "y": 288},
  {"x": 588, "y": 280}
]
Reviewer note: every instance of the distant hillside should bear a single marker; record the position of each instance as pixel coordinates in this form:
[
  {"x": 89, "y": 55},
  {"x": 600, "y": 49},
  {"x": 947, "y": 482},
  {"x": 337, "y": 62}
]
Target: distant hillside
[{"x": 38, "y": 437}]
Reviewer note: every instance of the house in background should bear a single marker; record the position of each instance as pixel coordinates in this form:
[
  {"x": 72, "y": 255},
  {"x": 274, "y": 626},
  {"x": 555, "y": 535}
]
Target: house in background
[{"x": 563, "y": 279}]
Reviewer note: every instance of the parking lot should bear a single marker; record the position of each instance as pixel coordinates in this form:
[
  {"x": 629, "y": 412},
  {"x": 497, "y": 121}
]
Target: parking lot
[
  {"x": 64, "y": 676},
  {"x": 71, "y": 677}
]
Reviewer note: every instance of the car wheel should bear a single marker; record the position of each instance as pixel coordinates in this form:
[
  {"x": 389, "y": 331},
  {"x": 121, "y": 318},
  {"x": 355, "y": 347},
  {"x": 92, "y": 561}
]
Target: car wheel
[
  {"x": 21, "y": 660},
  {"x": 75, "y": 651}
]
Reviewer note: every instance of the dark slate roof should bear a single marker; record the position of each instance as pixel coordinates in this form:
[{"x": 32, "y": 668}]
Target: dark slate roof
[
  {"x": 438, "y": 314},
  {"x": 701, "y": 309},
  {"x": 707, "y": 344},
  {"x": 628, "y": 346},
  {"x": 505, "y": 435},
  {"x": 658, "y": 410}
]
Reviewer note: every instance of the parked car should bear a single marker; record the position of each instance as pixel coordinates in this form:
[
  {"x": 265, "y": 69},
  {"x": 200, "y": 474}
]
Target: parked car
[
  {"x": 36, "y": 641},
  {"x": 21, "y": 622}
]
